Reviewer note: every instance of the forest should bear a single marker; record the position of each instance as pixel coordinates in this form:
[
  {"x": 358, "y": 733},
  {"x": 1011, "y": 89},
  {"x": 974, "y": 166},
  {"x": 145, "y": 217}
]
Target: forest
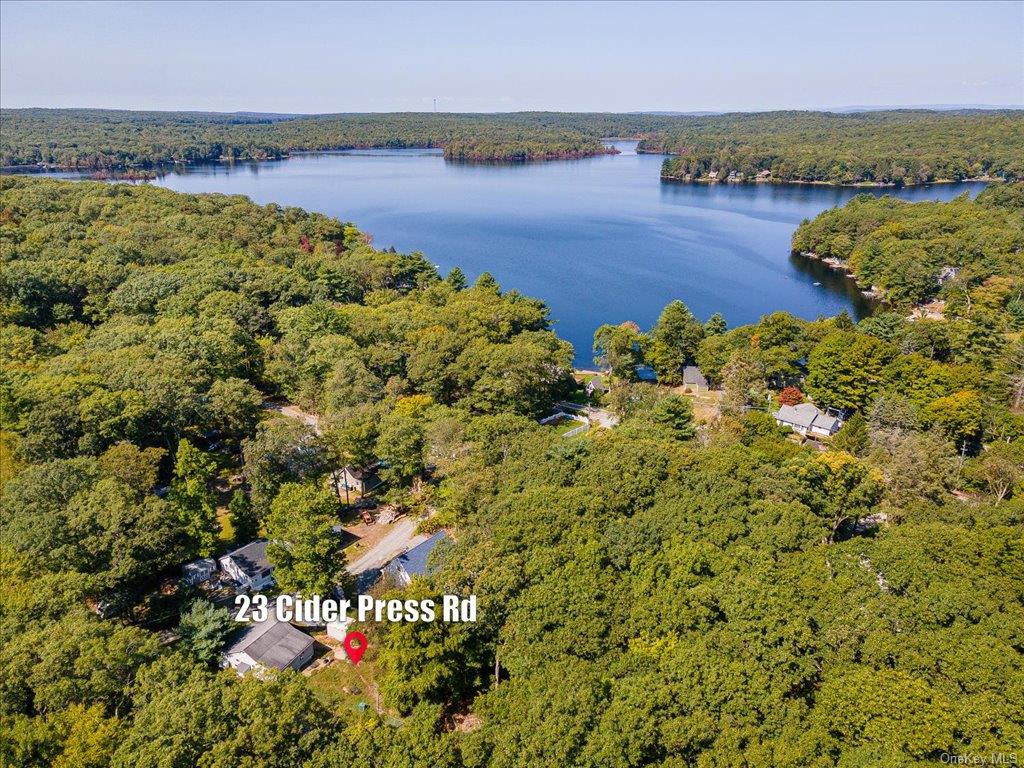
[
  {"x": 966, "y": 252},
  {"x": 683, "y": 589},
  {"x": 899, "y": 147},
  {"x": 892, "y": 147}
]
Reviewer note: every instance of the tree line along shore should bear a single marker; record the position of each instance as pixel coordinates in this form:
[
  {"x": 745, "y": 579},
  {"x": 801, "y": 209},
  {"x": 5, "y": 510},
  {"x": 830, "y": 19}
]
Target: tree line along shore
[{"x": 893, "y": 147}]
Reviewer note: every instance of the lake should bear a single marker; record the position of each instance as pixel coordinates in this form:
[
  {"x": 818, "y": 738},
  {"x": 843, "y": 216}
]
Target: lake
[{"x": 601, "y": 240}]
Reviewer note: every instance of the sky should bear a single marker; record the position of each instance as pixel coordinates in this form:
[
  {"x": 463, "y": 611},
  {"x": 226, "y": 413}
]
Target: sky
[{"x": 498, "y": 57}]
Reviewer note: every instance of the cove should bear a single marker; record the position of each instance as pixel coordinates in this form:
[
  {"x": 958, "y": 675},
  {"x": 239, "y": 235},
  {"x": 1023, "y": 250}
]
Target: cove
[{"x": 600, "y": 240}]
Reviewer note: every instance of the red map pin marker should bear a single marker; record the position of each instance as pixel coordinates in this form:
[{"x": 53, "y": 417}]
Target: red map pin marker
[{"x": 355, "y": 646}]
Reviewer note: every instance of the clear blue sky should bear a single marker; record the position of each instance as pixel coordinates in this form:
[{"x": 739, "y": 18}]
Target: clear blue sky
[{"x": 341, "y": 57}]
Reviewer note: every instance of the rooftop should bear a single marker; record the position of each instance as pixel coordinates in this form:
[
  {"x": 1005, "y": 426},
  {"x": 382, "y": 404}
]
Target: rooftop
[
  {"x": 252, "y": 558},
  {"x": 414, "y": 562},
  {"x": 271, "y": 643},
  {"x": 805, "y": 415}
]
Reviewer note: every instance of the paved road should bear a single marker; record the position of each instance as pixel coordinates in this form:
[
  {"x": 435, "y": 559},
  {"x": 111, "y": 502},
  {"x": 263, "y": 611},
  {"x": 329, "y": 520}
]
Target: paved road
[{"x": 401, "y": 537}]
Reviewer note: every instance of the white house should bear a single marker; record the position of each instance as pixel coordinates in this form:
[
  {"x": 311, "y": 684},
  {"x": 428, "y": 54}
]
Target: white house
[
  {"x": 248, "y": 566},
  {"x": 807, "y": 419},
  {"x": 360, "y": 480},
  {"x": 269, "y": 644},
  {"x": 198, "y": 571}
]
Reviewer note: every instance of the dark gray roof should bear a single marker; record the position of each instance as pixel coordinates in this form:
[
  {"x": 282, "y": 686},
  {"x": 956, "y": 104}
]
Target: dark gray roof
[
  {"x": 252, "y": 558},
  {"x": 272, "y": 643}
]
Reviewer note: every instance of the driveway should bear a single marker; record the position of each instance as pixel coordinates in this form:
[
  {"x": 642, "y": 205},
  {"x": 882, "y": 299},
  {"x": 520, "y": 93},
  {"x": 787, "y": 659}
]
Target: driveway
[{"x": 400, "y": 538}]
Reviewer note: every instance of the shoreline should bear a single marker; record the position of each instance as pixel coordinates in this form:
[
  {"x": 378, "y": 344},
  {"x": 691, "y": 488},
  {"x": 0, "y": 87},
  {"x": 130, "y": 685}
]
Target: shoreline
[
  {"x": 872, "y": 293},
  {"x": 170, "y": 164},
  {"x": 847, "y": 185}
]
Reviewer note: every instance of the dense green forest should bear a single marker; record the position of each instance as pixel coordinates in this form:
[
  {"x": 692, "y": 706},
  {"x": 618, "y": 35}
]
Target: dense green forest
[
  {"x": 970, "y": 253},
  {"x": 111, "y": 139},
  {"x": 904, "y": 146},
  {"x": 895, "y": 147},
  {"x": 680, "y": 590}
]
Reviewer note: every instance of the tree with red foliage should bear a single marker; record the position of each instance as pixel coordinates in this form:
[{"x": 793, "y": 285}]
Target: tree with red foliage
[{"x": 791, "y": 396}]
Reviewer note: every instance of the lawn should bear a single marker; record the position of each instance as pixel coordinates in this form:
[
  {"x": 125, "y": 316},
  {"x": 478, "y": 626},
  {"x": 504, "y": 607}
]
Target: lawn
[{"x": 347, "y": 686}]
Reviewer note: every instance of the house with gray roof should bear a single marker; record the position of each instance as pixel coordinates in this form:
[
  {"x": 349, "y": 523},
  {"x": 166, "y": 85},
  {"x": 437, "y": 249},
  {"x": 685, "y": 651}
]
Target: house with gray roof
[
  {"x": 249, "y": 567},
  {"x": 808, "y": 419},
  {"x": 269, "y": 644},
  {"x": 693, "y": 379}
]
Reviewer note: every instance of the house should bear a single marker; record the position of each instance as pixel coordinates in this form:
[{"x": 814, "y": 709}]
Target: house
[
  {"x": 597, "y": 385},
  {"x": 269, "y": 644},
  {"x": 413, "y": 562},
  {"x": 713, "y": 175},
  {"x": 198, "y": 571},
  {"x": 764, "y": 175},
  {"x": 360, "y": 480},
  {"x": 807, "y": 419},
  {"x": 946, "y": 274},
  {"x": 694, "y": 380},
  {"x": 248, "y": 566}
]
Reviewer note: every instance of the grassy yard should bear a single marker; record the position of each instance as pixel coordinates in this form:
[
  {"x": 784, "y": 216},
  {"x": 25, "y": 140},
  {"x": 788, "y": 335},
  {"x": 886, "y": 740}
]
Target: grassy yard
[
  {"x": 347, "y": 686},
  {"x": 563, "y": 425}
]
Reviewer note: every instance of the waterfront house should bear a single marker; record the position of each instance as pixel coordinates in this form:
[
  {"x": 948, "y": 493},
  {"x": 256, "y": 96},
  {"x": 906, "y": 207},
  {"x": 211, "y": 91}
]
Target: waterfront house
[
  {"x": 248, "y": 566},
  {"x": 807, "y": 419},
  {"x": 413, "y": 562},
  {"x": 266, "y": 645}
]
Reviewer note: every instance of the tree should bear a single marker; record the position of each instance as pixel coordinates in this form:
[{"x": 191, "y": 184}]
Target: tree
[
  {"x": 137, "y": 468},
  {"x": 400, "y": 446},
  {"x": 235, "y": 405},
  {"x": 999, "y": 469},
  {"x": 204, "y": 629},
  {"x": 242, "y": 516},
  {"x": 958, "y": 415},
  {"x": 675, "y": 414},
  {"x": 743, "y": 381},
  {"x": 282, "y": 451},
  {"x": 853, "y": 436},
  {"x": 715, "y": 325},
  {"x": 304, "y": 550},
  {"x": 486, "y": 282},
  {"x": 619, "y": 348},
  {"x": 839, "y": 487},
  {"x": 846, "y": 370},
  {"x": 791, "y": 396},
  {"x": 191, "y": 498},
  {"x": 674, "y": 342},
  {"x": 456, "y": 279}
]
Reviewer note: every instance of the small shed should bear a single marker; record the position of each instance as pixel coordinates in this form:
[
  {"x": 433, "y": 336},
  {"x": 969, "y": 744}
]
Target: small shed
[{"x": 694, "y": 380}]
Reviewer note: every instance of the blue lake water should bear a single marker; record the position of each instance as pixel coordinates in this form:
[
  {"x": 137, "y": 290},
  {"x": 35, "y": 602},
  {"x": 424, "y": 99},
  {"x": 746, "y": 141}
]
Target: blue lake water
[{"x": 600, "y": 240}]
